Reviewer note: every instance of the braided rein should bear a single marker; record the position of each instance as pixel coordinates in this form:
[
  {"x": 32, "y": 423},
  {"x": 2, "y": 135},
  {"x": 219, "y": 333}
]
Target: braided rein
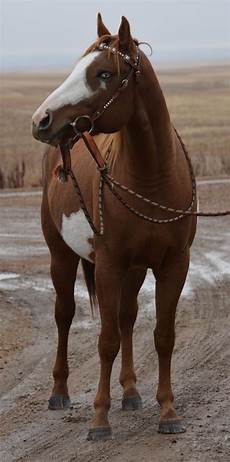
[{"x": 113, "y": 185}]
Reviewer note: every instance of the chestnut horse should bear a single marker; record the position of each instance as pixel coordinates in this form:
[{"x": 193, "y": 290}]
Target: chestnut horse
[{"x": 143, "y": 152}]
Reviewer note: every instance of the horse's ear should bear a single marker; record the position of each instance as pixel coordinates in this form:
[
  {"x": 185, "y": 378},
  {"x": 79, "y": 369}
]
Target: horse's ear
[
  {"x": 124, "y": 35},
  {"x": 101, "y": 28}
]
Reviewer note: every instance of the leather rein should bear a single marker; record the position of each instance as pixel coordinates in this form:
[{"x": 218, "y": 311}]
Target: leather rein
[{"x": 65, "y": 170}]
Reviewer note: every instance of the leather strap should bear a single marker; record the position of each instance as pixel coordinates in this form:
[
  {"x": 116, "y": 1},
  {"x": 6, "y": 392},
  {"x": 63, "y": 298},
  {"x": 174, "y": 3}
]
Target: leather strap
[{"x": 94, "y": 151}]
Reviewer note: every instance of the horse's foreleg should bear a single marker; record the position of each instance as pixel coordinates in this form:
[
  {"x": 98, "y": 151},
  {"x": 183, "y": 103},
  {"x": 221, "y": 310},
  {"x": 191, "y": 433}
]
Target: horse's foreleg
[
  {"x": 128, "y": 313},
  {"x": 169, "y": 284},
  {"x": 108, "y": 286},
  {"x": 63, "y": 272}
]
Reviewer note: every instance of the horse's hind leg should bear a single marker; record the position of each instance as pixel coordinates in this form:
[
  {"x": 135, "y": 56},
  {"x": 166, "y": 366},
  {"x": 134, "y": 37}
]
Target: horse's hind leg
[
  {"x": 63, "y": 271},
  {"x": 128, "y": 313},
  {"x": 169, "y": 284}
]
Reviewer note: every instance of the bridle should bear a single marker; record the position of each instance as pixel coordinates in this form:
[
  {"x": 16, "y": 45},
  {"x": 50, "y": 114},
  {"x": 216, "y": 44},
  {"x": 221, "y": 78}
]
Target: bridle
[
  {"x": 63, "y": 171},
  {"x": 134, "y": 70},
  {"x": 134, "y": 64}
]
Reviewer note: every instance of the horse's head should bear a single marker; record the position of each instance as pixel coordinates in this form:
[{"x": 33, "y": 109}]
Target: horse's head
[{"x": 107, "y": 70}]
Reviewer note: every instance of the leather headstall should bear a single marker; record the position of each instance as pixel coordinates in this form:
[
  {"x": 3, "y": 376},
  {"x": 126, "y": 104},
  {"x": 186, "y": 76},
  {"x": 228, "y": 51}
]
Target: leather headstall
[{"x": 63, "y": 171}]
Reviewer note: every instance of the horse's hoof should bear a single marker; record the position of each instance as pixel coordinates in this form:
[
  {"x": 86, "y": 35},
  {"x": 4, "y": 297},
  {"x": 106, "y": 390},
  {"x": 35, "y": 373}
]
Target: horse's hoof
[
  {"x": 171, "y": 426},
  {"x": 99, "y": 434},
  {"x": 58, "y": 402},
  {"x": 133, "y": 403}
]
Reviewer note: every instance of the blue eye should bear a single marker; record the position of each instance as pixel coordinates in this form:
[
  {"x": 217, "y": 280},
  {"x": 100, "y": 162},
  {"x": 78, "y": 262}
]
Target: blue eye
[{"x": 105, "y": 75}]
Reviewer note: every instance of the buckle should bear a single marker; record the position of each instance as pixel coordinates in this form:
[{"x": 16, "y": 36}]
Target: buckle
[{"x": 124, "y": 83}]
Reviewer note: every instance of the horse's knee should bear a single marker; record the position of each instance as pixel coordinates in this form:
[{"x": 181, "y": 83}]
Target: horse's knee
[{"x": 108, "y": 347}]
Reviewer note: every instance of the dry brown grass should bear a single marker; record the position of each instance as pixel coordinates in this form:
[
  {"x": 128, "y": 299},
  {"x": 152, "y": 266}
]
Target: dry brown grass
[
  {"x": 198, "y": 100},
  {"x": 20, "y": 95},
  {"x": 199, "y": 104}
]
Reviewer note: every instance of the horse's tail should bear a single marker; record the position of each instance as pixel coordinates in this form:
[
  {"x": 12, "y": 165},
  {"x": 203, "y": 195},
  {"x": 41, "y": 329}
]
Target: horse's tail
[{"x": 89, "y": 275}]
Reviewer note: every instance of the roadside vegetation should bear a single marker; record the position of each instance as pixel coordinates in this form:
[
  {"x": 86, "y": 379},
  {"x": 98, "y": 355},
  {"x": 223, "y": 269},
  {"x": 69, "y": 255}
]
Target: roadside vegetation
[{"x": 198, "y": 100}]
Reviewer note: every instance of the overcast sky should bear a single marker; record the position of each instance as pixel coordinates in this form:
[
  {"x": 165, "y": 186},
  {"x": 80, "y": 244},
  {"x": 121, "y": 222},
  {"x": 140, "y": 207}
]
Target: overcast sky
[{"x": 52, "y": 33}]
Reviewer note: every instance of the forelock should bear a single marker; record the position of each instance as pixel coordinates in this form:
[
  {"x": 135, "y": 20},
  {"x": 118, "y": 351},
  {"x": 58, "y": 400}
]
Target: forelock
[{"x": 113, "y": 42}]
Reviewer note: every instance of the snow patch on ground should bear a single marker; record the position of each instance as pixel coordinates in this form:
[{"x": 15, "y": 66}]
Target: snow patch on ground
[
  {"x": 13, "y": 281},
  {"x": 4, "y": 276}
]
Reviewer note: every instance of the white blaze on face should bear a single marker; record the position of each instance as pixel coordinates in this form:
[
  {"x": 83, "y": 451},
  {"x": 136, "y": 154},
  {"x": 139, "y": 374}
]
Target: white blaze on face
[
  {"x": 73, "y": 90},
  {"x": 76, "y": 232}
]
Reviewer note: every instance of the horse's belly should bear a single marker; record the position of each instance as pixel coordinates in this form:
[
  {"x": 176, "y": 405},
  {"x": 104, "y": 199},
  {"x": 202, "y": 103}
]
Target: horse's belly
[{"x": 78, "y": 235}]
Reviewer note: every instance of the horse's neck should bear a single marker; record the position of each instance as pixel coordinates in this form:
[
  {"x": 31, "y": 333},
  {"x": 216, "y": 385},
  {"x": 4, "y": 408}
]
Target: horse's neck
[{"x": 148, "y": 150}]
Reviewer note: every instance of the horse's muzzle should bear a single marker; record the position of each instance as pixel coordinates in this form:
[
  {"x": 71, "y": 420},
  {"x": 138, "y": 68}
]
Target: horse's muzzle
[{"x": 40, "y": 130}]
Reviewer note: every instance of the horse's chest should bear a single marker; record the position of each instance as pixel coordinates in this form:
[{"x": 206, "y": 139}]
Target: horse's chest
[{"x": 77, "y": 234}]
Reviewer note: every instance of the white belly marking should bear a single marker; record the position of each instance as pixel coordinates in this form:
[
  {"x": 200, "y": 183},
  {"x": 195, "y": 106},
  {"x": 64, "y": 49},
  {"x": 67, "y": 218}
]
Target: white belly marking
[{"x": 76, "y": 232}]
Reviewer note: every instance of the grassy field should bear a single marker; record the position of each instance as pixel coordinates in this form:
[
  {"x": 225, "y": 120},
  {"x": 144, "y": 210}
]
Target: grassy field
[{"x": 198, "y": 100}]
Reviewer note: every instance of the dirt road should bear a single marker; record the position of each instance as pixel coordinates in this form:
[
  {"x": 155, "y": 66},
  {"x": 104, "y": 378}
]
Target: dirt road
[{"x": 201, "y": 362}]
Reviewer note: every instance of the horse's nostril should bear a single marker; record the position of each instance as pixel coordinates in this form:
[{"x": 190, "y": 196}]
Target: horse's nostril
[{"x": 46, "y": 121}]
